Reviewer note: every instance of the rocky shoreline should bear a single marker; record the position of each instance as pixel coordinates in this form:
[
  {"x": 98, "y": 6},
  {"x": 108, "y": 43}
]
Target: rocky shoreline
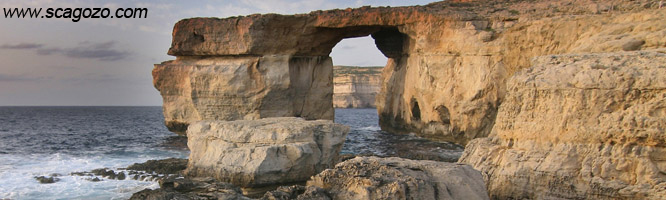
[
  {"x": 559, "y": 99},
  {"x": 356, "y": 178}
]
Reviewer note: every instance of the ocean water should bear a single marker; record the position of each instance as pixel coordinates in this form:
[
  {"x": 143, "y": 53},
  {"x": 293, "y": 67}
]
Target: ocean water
[
  {"x": 40, "y": 141},
  {"x": 366, "y": 138},
  {"x": 43, "y": 141}
]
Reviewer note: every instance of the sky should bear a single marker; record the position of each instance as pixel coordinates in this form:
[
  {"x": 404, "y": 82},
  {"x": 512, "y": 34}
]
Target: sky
[{"x": 57, "y": 62}]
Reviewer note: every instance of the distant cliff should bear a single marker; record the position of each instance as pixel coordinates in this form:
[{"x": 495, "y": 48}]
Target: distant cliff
[{"x": 356, "y": 87}]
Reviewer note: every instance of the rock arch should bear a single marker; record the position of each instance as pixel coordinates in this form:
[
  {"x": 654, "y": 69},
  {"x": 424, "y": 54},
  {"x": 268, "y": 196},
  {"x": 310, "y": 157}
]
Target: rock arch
[
  {"x": 453, "y": 57},
  {"x": 273, "y": 65}
]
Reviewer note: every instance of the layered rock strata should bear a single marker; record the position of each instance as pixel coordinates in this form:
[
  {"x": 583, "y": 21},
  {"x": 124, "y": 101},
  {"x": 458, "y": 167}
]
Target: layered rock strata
[
  {"x": 356, "y": 87},
  {"x": 579, "y": 126},
  {"x": 447, "y": 69},
  {"x": 243, "y": 88},
  {"x": 264, "y": 152},
  {"x": 397, "y": 178}
]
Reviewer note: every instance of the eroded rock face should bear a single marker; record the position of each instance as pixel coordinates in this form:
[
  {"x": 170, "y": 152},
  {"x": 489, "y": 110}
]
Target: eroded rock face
[
  {"x": 264, "y": 152},
  {"x": 450, "y": 85},
  {"x": 448, "y": 61},
  {"x": 397, "y": 178},
  {"x": 244, "y": 88},
  {"x": 355, "y": 87},
  {"x": 579, "y": 126}
]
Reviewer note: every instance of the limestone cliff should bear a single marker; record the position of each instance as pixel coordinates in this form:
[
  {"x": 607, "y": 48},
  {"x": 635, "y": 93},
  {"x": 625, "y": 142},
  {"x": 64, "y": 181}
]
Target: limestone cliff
[
  {"x": 355, "y": 87},
  {"x": 447, "y": 69},
  {"x": 579, "y": 126}
]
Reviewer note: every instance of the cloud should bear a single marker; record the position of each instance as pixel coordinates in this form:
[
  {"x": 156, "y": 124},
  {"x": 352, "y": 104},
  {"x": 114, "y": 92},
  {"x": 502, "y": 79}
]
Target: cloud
[
  {"x": 16, "y": 78},
  {"x": 21, "y": 46},
  {"x": 89, "y": 50},
  {"x": 94, "y": 78}
]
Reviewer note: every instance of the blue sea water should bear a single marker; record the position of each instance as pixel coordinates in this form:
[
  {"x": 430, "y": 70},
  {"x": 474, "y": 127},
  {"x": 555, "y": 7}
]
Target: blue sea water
[{"x": 43, "y": 141}]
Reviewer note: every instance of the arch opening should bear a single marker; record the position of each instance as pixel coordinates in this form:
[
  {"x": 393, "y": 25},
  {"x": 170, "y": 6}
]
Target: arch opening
[{"x": 358, "y": 67}]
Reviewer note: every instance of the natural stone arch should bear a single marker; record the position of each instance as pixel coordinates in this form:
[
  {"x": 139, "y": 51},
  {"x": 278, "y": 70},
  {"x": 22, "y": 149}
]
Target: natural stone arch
[
  {"x": 455, "y": 59},
  {"x": 273, "y": 65}
]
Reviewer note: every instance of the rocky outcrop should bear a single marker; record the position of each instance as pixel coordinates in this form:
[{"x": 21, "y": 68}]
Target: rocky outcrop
[
  {"x": 264, "y": 152},
  {"x": 356, "y": 87},
  {"x": 397, "y": 178},
  {"x": 164, "y": 166},
  {"x": 447, "y": 69},
  {"x": 579, "y": 126},
  {"x": 359, "y": 178},
  {"x": 195, "y": 188}
]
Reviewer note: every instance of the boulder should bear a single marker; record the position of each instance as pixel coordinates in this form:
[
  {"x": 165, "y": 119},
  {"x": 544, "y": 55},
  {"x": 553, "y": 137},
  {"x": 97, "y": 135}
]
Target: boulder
[
  {"x": 264, "y": 152},
  {"x": 579, "y": 126},
  {"x": 397, "y": 178}
]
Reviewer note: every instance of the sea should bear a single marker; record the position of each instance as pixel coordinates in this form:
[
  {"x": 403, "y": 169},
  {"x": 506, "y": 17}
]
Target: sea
[{"x": 56, "y": 141}]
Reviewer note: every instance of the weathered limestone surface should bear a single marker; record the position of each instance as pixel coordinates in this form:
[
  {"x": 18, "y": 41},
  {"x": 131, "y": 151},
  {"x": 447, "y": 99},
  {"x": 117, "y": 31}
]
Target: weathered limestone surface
[
  {"x": 579, "y": 126},
  {"x": 356, "y": 87},
  {"x": 397, "y": 178},
  {"x": 264, "y": 152},
  {"x": 243, "y": 88},
  {"x": 448, "y": 61},
  {"x": 452, "y": 82}
]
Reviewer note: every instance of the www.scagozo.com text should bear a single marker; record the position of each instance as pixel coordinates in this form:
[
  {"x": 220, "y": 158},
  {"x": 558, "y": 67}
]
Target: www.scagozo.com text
[{"x": 76, "y": 14}]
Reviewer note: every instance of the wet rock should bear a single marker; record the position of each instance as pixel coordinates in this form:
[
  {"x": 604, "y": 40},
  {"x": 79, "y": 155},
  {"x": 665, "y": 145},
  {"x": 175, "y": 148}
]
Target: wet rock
[
  {"x": 104, "y": 172},
  {"x": 196, "y": 188},
  {"x": 46, "y": 179},
  {"x": 121, "y": 176},
  {"x": 95, "y": 179},
  {"x": 165, "y": 166},
  {"x": 81, "y": 174}
]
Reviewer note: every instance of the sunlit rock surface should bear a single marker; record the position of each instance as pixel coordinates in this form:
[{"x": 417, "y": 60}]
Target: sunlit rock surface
[{"x": 579, "y": 126}]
